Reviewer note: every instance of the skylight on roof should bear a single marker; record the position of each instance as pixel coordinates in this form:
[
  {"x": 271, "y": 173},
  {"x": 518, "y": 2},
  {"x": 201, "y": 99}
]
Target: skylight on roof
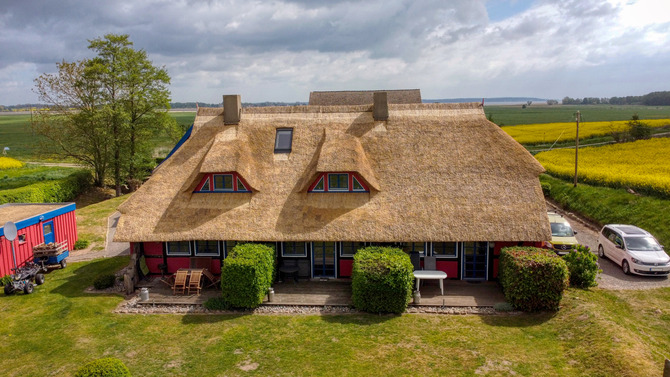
[{"x": 284, "y": 140}]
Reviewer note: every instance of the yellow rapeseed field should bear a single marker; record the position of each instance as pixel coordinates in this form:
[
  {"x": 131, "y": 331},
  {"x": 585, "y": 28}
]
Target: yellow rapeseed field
[
  {"x": 642, "y": 165},
  {"x": 9, "y": 163},
  {"x": 550, "y": 132}
]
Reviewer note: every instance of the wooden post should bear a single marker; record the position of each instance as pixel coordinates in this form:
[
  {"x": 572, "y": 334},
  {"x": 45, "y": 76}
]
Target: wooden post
[
  {"x": 666, "y": 369},
  {"x": 577, "y": 146}
]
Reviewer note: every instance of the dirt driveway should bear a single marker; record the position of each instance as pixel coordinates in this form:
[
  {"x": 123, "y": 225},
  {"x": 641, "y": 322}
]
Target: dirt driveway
[{"x": 612, "y": 277}]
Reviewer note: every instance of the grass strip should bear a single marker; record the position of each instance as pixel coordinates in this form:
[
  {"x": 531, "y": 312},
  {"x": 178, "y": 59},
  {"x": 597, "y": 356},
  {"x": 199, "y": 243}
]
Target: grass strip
[{"x": 604, "y": 205}]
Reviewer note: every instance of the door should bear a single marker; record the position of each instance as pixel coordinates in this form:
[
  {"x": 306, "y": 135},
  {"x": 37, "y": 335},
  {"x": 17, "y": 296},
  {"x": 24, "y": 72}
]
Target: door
[
  {"x": 475, "y": 260},
  {"x": 48, "y": 228},
  {"x": 323, "y": 260}
]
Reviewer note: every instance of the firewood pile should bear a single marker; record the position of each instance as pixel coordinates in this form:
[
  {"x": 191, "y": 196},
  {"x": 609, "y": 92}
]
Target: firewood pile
[{"x": 49, "y": 249}]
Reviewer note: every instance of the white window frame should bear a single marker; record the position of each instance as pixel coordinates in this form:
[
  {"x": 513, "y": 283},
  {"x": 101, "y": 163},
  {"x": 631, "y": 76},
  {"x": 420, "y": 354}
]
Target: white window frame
[
  {"x": 180, "y": 253},
  {"x": 295, "y": 255},
  {"x": 197, "y": 252},
  {"x": 338, "y": 189},
  {"x": 232, "y": 183},
  {"x": 457, "y": 247},
  {"x": 340, "y": 248}
]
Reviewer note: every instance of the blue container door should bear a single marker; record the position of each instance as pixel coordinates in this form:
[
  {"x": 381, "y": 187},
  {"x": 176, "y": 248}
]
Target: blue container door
[
  {"x": 323, "y": 260},
  {"x": 475, "y": 260},
  {"x": 48, "y": 228}
]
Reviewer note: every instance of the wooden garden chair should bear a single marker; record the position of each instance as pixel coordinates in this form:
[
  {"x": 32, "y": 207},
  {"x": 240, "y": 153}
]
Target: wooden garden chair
[
  {"x": 213, "y": 279},
  {"x": 179, "y": 282},
  {"x": 194, "y": 281}
]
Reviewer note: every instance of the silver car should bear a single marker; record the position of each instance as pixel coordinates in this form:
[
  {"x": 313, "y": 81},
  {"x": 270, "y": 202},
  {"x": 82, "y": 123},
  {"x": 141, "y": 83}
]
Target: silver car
[{"x": 634, "y": 249}]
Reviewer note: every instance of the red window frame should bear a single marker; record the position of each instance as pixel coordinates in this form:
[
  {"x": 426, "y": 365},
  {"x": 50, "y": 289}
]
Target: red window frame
[
  {"x": 236, "y": 178},
  {"x": 350, "y": 175}
]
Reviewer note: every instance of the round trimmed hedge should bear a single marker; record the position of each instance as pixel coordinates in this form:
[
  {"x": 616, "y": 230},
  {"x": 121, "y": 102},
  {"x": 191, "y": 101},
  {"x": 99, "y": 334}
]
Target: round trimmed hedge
[
  {"x": 105, "y": 367},
  {"x": 381, "y": 280}
]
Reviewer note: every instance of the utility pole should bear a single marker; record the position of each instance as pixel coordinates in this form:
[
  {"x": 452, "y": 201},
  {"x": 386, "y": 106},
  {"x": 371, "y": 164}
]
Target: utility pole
[{"x": 578, "y": 118}]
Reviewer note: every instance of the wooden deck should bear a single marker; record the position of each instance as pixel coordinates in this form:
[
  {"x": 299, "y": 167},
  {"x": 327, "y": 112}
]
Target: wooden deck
[{"x": 338, "y": 293}]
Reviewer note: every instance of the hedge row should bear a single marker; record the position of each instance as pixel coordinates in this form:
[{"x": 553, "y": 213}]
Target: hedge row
[
  {"x": 532, "y": 279},
  {"x": 246, "y": 275},
  {"x": 381, "y": 280},
  {"x": 55, "y": 191}
]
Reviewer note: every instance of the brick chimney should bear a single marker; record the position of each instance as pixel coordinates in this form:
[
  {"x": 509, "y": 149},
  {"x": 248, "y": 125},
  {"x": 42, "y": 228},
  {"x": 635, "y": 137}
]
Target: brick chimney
[
  {"x": 380, "y": 109},
  {"x": 232, "y": 109}
]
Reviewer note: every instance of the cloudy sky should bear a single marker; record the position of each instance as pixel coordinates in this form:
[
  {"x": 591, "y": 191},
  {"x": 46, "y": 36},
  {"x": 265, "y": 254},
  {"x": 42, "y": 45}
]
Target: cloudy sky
[{"x": 282, "y": 50}]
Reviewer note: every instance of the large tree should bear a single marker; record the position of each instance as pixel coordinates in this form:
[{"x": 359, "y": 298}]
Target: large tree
[{"x": 129, "y": 99}]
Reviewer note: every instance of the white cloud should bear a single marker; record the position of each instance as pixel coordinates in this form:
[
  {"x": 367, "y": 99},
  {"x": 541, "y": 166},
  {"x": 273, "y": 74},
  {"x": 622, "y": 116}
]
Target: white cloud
[{"x": 280, "y": 50}]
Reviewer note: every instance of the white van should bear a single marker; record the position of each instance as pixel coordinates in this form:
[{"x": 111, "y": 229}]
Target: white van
[{"x": 634, "y": 249}]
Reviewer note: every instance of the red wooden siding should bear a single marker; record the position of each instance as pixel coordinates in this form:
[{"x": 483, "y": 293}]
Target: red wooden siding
[
  {"x": 153, "y": 248},
  {"x": 450, "y": 267},
  {"x": 65, "y": 228},
  {"x": 175, "y": 263},
  {"x": 346, "y": 266},
  {"x": 152, "y": 264}
]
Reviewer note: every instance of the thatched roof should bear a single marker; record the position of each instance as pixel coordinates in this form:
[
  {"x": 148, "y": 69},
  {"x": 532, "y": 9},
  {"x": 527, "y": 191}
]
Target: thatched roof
[
  {"x": 16, "y": 212},
  {"x": 363, "y": 97},
  {"x": 437, "y": 172}
]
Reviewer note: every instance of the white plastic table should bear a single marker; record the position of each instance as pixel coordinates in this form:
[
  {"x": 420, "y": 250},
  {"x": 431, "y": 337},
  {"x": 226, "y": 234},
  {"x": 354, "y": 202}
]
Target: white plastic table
[{"x": 430, "y": 275}]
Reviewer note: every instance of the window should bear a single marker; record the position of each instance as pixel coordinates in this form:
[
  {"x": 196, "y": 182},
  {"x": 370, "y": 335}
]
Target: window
[
  {"x": 319, "y": 185},
  {"x": 294, "y": 249},
  {"x": 445, "y": 249},
  {"x": 338, "y": 182},
  {"x": 207, "y": 249},
  {"x": 222, "y": 182},
  {"x": 283, "y": 140},
  {"x": 205, "y": 186},
  {"x": 414, "y": 247},
  {"x": 22, "y": 238},
  {"x": 357, "y": 186},
  {"x": 178, "y": 248},
  {"x": 348, "y": 249}
]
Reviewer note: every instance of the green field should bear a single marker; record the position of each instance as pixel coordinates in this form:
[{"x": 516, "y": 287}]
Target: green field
[
  {"x": 60, "y": 327},
  {"x": 537, "y": 113},
  {"x": 29, "y": 174},
  {"x": 16, "y": 134},
  {"x": 605, "y": 205}
]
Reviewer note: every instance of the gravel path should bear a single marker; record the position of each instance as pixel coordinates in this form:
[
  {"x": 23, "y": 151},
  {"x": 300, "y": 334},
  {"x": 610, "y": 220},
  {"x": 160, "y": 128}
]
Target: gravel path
[{"x": 612, "y": 277}]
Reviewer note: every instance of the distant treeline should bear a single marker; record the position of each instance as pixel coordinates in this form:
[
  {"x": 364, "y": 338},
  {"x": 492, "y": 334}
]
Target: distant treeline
[{"x": 651, "y": 99}]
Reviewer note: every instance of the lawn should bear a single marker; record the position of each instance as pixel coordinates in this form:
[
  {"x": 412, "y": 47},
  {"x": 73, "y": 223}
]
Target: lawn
[
  {"x": 596, "y": 333},
  {"x": 538, "y": 113},
  {"x": 92, "y": 220}
]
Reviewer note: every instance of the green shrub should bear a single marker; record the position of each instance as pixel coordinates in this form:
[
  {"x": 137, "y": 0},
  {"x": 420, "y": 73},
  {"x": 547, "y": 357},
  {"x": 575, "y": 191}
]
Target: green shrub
[
  {"x": 216, "y": 303},
  {"x": 381, "y": 280},
  {"x": 246, "y": 275},
  {"x": 546, "y": 188},
  {"x": 583, "y": 267},
  {"x": 4, "y": 280},
  {"x": 81, "y": 244},
  {"x": 104, "y": 281},
  {"x": 532, "y": 279},
  {"x": 52, "y": 191},
  {"x": 106, "y": 367}
]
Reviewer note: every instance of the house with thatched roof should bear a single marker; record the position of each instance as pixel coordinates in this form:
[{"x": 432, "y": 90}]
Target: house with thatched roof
[{"x": 318, "y": 182}]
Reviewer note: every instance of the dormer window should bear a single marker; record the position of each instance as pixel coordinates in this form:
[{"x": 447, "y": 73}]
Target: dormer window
[
  {"x": 283, "y": 140},
  {"x": 338, "y": 182},
  {"x": 222, "y": 182}
]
